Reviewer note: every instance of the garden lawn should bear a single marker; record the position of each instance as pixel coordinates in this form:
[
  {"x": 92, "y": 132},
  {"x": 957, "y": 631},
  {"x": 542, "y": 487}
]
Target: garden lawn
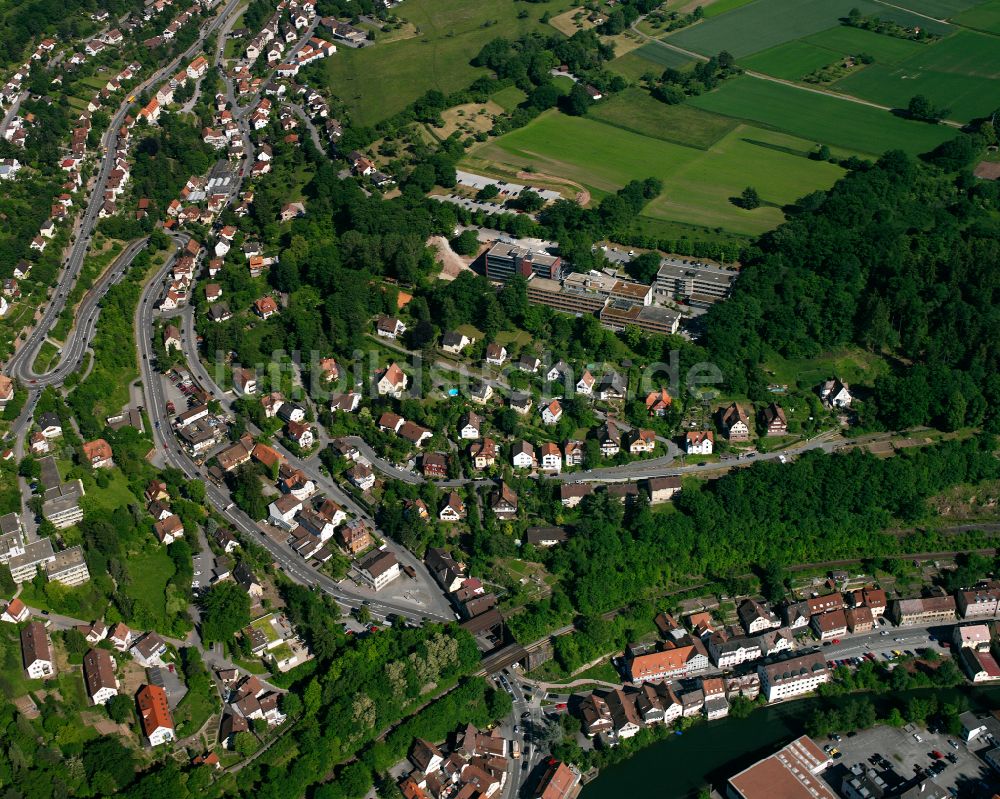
[
  {"x": 767, "y": 23},
  {"x": 635, "y": 110},
  {"x": 698, "y": 184},
  {"x": 378, "y": 81},
  {"x": 985, "y": 17},
  {"x": 149, "y": 572},
  {"x": 115, "y": 495},
  {"x": 821, "y": 118}
]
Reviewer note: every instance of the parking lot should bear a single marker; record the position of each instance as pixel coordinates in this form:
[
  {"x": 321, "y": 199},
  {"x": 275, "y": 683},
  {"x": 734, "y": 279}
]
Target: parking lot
[{"x": 909, "y": 758}]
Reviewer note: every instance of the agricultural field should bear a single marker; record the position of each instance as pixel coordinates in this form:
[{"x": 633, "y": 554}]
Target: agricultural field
[
  {"x": 378, "y": 81},
  {"x": 821, "y": 118},
  {"x": 791, "y": 60},
  {"x": 698, "y": 183},
  {"x": 634, "y": 110},
  {"x": 984, "y": 17},
  {"x": 767, "y": 23},
  {"x": 844, "y": 40},
  {"x": 957, "y": 73},
  {"x": 650, "y": 58},
  {"x": 939, "y": 9}
]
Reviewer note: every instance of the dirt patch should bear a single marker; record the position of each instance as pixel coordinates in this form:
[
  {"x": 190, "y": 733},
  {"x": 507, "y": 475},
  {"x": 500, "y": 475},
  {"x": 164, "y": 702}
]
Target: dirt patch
[
  {"x": 569, "y": 22},
  {"x": 104, "y": 725},
  {"x": 469, "y": 118},
  {"x": 582, "y": 194},
  {"x": 452, "y": 264}
]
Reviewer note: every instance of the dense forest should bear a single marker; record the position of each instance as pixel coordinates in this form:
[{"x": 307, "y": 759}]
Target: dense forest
[{"x": 900, "y": 257}]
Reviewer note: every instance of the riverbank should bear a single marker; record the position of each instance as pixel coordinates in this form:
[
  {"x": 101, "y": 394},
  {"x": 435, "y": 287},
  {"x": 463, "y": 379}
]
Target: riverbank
[{"x": 710, "y": 753}]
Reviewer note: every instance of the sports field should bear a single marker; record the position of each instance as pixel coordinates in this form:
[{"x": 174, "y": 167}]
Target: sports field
[
  {"x": 698, "y": 183},
  {"x": 378, "y": 81},
  {"x": 984, "y": 17},
  {"x": 767, "y": 23},
  {"x": 821, "y": 118},
  {"x": 634, "y": 110}
]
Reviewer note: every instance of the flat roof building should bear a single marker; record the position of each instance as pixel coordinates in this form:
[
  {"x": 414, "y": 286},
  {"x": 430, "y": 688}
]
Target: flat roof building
[
  {"x": 68, "y": 567},
  {"x": 503, "y": 261},
  {"x": 702, "y": 283}
]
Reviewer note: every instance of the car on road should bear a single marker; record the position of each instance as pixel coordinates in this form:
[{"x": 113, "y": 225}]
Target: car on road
[{"x": 917, "y": 738}]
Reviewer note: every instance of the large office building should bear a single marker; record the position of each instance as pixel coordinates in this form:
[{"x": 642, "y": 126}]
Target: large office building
[
  {"x": 700, "y": 283},
  {"x": 503, "y": 261}
]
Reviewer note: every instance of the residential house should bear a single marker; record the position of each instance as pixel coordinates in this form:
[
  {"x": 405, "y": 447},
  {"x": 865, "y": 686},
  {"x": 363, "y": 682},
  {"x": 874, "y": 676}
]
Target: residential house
[
  {"x": 736, "y": 423},
  {"x": 642, "y": 441},
  {"x": 756, "y": 617},
  {"x": 389, "y": 327},
  {"x": 496, "y": 355},
  {"x": 657, "y": 402},
  {"x": 265, "y": 307},
  {"x": 469, "y": 426},
  {"x": 503, "y": 502},
  {"x": 572, "y": 494},
  {"x": 610, "y": 439},
  {"x": 585, "y": 385},
  {"x": 99, "y": 676},
  {"x": 169, "y": 529},
  {"x": 860, "y": 620},
  {"x": 700, "y": 442},
  {"x": 149, "y": 650},
  {"x": 929, "y": 610},
  {"x": 794, "y": 676},
  {"x": 836, "y": 394},
  {"x": 393, "y": 381},
  {"x": 36, "y": 651},
  {"x": 774, "y": 420},
  {"x": 552, "y": 413},
  {"x": 523, "y": 456},
  {"x": 551, "y": 457},
  {"x": 454, "y": 342},
  {"x": 662, "y": 489},
  {"x": 379, "y": 569},
  {"x": 483, "y": 454},
  {"x": 453, "y": 509},
  {"x": 830, "y": 625},
  {"x": 154, "y": 714},
  {"x": 98, "y": 454},
  {"x": 573, "y": 453}
]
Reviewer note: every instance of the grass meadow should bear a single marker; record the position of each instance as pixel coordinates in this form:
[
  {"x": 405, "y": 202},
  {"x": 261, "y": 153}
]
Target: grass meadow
[
  {"x": 820, "y": 118},
  {"x": 698, "y": 182},
  {"x": 379, "y": 81}
]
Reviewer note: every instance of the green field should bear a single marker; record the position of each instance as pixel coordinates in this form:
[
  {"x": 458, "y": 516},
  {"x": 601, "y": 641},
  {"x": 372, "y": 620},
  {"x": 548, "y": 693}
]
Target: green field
[
  {"x": 378, "y": 81},
  {"x": 698, "y": 183},
  {"x": 768, "y": 23},
  {"x": 149, "y": 572},
  {"x": 650, "y": 58},
  {"x": 964, "y": 97},
  {"x": 845, "y": 40},
  {"x": 957, "y": 73},
  {"x": 939, "y": 9},
  {"x": 985, "y": 17},
  {"x": 791, "y": 60},
  {"x": 634, "y": 110},
  {"x": 510, "y": 98},
  {"x": 722, "y": 6},
  {"x": 821, "y": 118}
]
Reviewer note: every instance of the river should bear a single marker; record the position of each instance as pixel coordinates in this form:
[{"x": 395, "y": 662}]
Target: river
[{"x": 712, "y": 752}]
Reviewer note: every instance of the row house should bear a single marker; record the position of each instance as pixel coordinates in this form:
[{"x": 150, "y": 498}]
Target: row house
[{"x": 929, "y": 610}]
